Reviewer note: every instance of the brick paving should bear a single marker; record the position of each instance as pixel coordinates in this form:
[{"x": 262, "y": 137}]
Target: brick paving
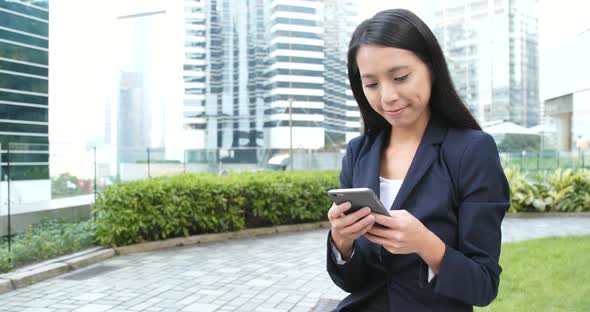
[{"x": 275, "y": 273}]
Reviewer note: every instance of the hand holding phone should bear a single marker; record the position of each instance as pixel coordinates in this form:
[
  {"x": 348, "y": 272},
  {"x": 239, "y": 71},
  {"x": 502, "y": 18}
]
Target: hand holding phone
[
  {"x": 358, "y": 198},
  {"x": 346, "y": 228}
]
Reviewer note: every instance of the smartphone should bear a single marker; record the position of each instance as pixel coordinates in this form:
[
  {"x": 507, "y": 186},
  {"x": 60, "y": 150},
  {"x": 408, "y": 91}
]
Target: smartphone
[{"x": 358, "y": 198}]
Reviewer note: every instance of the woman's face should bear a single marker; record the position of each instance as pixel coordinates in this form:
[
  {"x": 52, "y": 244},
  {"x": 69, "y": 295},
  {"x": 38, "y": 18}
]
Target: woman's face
[{"x": 396, "y": 83}]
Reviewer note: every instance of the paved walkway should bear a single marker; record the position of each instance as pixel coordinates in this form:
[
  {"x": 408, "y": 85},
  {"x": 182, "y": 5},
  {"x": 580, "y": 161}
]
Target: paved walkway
[{"x": 277, "y": 273}]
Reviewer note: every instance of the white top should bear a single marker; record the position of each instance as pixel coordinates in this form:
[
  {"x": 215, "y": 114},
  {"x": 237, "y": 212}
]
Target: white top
[{"x": 389, "y": 190}]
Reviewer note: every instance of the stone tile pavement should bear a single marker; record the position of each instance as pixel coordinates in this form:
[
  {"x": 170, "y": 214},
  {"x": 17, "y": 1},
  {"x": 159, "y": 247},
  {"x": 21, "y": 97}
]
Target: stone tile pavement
[{"x": 277, "y": 273}]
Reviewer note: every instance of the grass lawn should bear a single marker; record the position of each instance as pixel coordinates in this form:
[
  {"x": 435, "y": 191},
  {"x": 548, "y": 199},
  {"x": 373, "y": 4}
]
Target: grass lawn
[{"x": 550, "y": 274}]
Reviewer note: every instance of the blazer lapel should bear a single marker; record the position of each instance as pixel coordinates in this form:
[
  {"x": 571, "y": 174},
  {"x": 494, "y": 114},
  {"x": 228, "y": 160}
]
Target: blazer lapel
[{"x": 427, "y": 153}]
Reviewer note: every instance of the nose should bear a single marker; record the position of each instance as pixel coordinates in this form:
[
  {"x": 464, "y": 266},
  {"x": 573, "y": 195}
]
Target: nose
[{"x": 389, "y": 93}]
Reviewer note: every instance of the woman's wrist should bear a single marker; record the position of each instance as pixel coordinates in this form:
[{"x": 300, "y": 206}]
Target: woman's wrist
[
  {"x": 432, "y": 251},
  {"x": 344, "y": 246}
]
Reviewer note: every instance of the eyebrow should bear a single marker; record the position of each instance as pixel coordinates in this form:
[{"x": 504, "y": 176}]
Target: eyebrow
[{"x": 391, "y": 70}]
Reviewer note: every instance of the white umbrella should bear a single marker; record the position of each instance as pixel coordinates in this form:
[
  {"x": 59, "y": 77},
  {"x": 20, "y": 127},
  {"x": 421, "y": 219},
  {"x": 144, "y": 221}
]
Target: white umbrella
[
  {"x": 508, "y": 127},
  {"x": 278, "y": 160}
]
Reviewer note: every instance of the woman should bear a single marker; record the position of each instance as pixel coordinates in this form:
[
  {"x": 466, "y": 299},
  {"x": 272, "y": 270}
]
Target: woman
[{"x": 425, "y": 156}]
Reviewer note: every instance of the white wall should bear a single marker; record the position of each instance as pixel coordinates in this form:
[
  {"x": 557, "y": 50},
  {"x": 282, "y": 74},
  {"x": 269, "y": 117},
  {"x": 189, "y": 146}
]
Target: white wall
[
  {"x": 565, "y": 69},
  {"x": 303, "y": 137},
  {"x": 581, "y": 114},
  {"x": 22, "y": 192}
]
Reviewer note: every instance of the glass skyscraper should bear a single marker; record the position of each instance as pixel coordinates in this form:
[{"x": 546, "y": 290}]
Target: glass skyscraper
[
  {"x": 492, "y": 53},
  {"x": 24, "y": 88},
  {"x": 195, "y": 65},
  {"x": 342, "y": 117},
  {"x": 224, "y": 74},
  {"x": 297, "y": 52},
  {"x": 246, "y": 62}
]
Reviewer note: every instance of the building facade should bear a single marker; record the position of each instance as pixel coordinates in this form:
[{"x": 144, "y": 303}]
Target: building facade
[
  {"x": 567, "y": 103},
  {"x": 342, "y": 119},
  {"x": 296, "y": 76},
  {"x": 24, "y": 38},
  {"x": 492, "y": 53},
  {"x": 268, "y": 74}
]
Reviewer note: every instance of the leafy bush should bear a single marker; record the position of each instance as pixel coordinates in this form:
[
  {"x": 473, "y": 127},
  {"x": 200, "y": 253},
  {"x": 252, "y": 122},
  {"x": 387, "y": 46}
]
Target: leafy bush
[
  {"x": 189, "y": 204},
  {"x": 562, "y": 190},
  {"x": 50, "y": 238}
]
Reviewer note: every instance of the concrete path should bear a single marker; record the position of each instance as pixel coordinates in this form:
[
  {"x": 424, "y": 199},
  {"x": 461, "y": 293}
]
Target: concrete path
[{"x": 277, "y": 273}]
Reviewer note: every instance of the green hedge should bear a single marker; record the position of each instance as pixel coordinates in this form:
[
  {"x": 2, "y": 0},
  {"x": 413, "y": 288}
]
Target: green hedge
[
  {"x": 48, "y": 239},
  {"x": 190, "y": 204}
]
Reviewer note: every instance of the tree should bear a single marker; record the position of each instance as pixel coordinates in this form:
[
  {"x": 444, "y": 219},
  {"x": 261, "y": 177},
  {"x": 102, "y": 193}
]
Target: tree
[{"x": 513, "y": 142}]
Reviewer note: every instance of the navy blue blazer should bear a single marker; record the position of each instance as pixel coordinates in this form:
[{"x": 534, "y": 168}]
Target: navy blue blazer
[{"x": 465, "y": 214}]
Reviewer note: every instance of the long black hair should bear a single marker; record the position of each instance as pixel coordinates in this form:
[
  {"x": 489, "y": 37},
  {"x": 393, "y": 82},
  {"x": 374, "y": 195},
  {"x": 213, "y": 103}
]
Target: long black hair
[{"x": 402, "y": 29}]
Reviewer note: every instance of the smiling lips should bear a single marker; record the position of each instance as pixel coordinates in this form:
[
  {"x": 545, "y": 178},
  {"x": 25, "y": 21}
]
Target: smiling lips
[{"x": 394, "y": 113}]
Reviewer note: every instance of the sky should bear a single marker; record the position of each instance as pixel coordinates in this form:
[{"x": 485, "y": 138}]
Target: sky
[{"x": 82, "y": 51}]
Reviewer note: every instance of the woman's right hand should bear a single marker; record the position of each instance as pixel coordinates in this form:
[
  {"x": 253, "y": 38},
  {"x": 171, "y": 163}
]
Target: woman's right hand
[{"x": 347, "y": 228}]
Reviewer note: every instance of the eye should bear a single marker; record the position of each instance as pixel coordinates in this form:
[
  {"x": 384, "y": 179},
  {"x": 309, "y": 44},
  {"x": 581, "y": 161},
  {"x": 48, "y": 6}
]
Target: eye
[
  {"x": 402, "y": 78},
  {"x": 370, "y": 85}
]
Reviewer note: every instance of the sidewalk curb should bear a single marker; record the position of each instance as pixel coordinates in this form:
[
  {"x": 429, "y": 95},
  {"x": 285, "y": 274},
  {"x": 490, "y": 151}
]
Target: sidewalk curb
[
  {"x": 218, "y": 237},
  {"x": 40, "y": 272},
  {"x": 23, "y": 279},
  {"x": 92, "y": 258},
  {"x": 5, "y": 285}
]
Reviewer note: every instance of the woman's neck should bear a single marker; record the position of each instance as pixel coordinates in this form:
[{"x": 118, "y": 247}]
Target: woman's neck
[{"x": 411, "y": 134}]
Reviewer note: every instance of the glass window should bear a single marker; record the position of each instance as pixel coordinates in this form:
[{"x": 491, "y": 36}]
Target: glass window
[
  {"x": 194, "y": 67},
  {"x": 294, "y": 59},
  {"x": 20, "y": 53},
  {"x": 23, "y": 98},
  {"x": 194, "y": 91},
  {"x": 18, "y": 172},
  {"x": 21, "y": 157},
  {"x": 295, "y": 123},
  {"x": 22, "y": 23},
  {"x": 27, "y": 113},
  {"x": 302, "y": 47},
  {"x": 293, "y": 21},
  {"x": 194, "y": 79},
  {"x": 295, "y": 110},
  {"x": 195, "y": 56},
  {"x": 21, "y": 83},
  {"x": 22, "y": 68},
  {"x": 25, "y": 9},
  {"x": 6, "y": 139},
  {"x": 12, "y": 36},
  {"x": 199, "y": 44},
  {"x": 25, "y": 128},
  {"x": 284, "y": 84},
  {"x": 195, "y": 21},
  {"x": 299, "y": 72},
  {"x": 194, "y": 32}
]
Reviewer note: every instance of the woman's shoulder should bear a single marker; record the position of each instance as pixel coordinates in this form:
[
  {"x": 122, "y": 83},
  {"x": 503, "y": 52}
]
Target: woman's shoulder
[
  {"x": 468, "y": 145},
  {"x": 467, "y": 136},
  {"x": 363, "y": 140}
]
